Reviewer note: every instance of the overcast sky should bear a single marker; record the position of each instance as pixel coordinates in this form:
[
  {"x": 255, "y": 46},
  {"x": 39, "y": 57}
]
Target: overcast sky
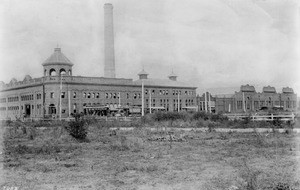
[{"x": 210, "y": 43}]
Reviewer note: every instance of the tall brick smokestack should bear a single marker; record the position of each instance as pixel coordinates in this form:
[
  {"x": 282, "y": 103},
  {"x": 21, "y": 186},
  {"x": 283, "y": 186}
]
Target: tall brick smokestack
[{"x": 109, "y": 52}]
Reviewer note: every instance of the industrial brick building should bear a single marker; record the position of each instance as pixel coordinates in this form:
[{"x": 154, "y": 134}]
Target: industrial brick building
[
  {"x": 58, "y": 93},
  {"x": 247, "y": 100}
]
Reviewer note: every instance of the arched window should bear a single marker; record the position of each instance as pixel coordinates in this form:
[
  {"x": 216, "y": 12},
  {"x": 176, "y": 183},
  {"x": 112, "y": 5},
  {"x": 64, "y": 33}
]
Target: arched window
[
  {"x": 62, "y": 71},
  {"x": 45, "y": 72},
  {"x": 70, "y": 72},
  {"x": 52, "y": 72}
]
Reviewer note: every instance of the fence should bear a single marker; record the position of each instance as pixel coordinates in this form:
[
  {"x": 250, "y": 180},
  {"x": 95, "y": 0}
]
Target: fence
[{"x": 268, "y": 117}]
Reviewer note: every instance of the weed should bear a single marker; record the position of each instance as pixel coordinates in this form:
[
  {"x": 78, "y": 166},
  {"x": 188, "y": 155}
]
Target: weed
[
  {"x": 211, "y": 127},
  {"x": 147, "y": 168},
  {"x": 250, "y": 176}
]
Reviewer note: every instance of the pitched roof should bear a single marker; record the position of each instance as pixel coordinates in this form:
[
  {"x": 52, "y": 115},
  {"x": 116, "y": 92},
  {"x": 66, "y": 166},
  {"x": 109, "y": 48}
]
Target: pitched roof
[
  {"x": 57, "y": 58},
  {"x": 162, "y": 83}
]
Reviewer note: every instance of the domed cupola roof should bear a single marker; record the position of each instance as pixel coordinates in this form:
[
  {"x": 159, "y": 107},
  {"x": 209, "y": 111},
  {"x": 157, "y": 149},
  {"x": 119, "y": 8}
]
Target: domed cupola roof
[
  {"x": 57, "y": 58},
  {"x": 143, "y": 72},
  {"x": 172, "y": 76}
]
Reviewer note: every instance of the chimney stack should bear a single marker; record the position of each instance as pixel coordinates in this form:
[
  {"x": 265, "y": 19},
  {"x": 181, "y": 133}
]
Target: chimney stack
[{"x": 109, "y": 52}]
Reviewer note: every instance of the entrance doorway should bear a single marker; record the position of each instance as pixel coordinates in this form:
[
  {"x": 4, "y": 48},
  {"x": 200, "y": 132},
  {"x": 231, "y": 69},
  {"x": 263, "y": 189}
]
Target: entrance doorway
[
  {"x": 52, "y": 109},
  {"x": 27, "y": 110}
]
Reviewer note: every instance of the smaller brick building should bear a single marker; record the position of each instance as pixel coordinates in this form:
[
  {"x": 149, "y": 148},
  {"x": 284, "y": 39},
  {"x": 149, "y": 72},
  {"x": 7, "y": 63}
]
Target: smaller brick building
[{"x": 248, "y": 100}]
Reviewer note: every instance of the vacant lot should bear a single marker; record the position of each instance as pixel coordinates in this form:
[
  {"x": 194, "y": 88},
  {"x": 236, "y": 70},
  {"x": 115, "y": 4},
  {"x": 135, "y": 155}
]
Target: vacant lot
[{"x": 49, "y": 158}]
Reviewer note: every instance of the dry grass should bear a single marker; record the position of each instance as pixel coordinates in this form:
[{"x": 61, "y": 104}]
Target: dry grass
[{"x": 128, "y": 160}]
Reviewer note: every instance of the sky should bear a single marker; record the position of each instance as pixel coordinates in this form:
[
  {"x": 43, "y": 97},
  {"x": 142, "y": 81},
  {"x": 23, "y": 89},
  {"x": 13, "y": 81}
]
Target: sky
[{"x": 215, "y": 45}]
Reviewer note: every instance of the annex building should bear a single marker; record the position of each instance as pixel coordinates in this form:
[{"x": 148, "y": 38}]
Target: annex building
[
  {"x": 58, "y": 93},
  {"x": 248, "y": 100}
]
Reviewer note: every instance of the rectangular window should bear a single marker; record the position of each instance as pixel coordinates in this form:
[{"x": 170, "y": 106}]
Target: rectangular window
[
  {"x": 239, "y": 104},
  {"x": 51, "y": 94},
  {"x": 256, "y": 105},
  {"x": 74, "y": 94},
  {"x": 63, "y": 95}
]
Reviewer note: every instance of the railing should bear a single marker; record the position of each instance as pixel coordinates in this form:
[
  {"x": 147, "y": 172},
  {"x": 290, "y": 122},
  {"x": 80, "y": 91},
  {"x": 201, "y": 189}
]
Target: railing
[{"x": 269, "y": 117}]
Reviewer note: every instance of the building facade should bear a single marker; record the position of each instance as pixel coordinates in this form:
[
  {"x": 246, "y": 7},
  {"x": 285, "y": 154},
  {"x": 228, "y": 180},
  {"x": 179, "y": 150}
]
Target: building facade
[
  {"x": 59, "y": 93},
  {"x": 247, "y": 100}
]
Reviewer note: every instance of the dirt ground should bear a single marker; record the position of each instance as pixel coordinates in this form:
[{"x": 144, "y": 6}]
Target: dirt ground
[{"x": 142, "y": 159}]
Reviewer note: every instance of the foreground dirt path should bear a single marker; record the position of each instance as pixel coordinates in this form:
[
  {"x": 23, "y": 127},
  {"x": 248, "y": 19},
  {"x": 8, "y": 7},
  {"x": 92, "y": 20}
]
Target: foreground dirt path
[{"x": 141, "y": 159}]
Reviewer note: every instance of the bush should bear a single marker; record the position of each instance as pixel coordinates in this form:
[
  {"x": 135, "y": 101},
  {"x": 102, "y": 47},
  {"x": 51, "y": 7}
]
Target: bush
[
  {"x": 170, "y": 116},
  {"x": 200, "y": 115},
  {"x": 211, "y": 127},
  {"x": 77, "y": 129},
  {"x": 218, "y": 117}
]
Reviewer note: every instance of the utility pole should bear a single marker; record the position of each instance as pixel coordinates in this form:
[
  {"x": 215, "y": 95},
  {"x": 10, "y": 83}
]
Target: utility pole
[
  {"x": 205, "y": 102},
  {"x": 60, "y": 91},
  {"x": 143, "y": 98},
  {"x": 209, "y": 106},
  {"x": 150, "y": 101},
  {"x": 119, "y": 99},
  {"x": 178, "y": 101}
]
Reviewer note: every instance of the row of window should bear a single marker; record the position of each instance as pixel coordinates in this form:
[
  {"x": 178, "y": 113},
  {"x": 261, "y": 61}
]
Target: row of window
[
  {"x": 166, "y": 92},
  {"x": 258, "y": 104},
  {"x": 13, "y": 108},
  {"x": 115, "y": 95},
  {"x": 27, "y": 97},
  {"x": 13, "y": 99},
  {"x": 23, "y": 98}
]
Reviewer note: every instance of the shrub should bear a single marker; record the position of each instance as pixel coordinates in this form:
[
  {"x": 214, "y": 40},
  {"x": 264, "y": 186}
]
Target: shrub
[
  {"x": 277, "y": 122},
  {"x": 170, "y": 116},
  {"x": 77, "y": 129},
  {"x": 218, "y": 117},
  {"x": 8, "y": 122},
  {"x": 200, "y": 115},
  {"x": 211, "y": 127}
]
